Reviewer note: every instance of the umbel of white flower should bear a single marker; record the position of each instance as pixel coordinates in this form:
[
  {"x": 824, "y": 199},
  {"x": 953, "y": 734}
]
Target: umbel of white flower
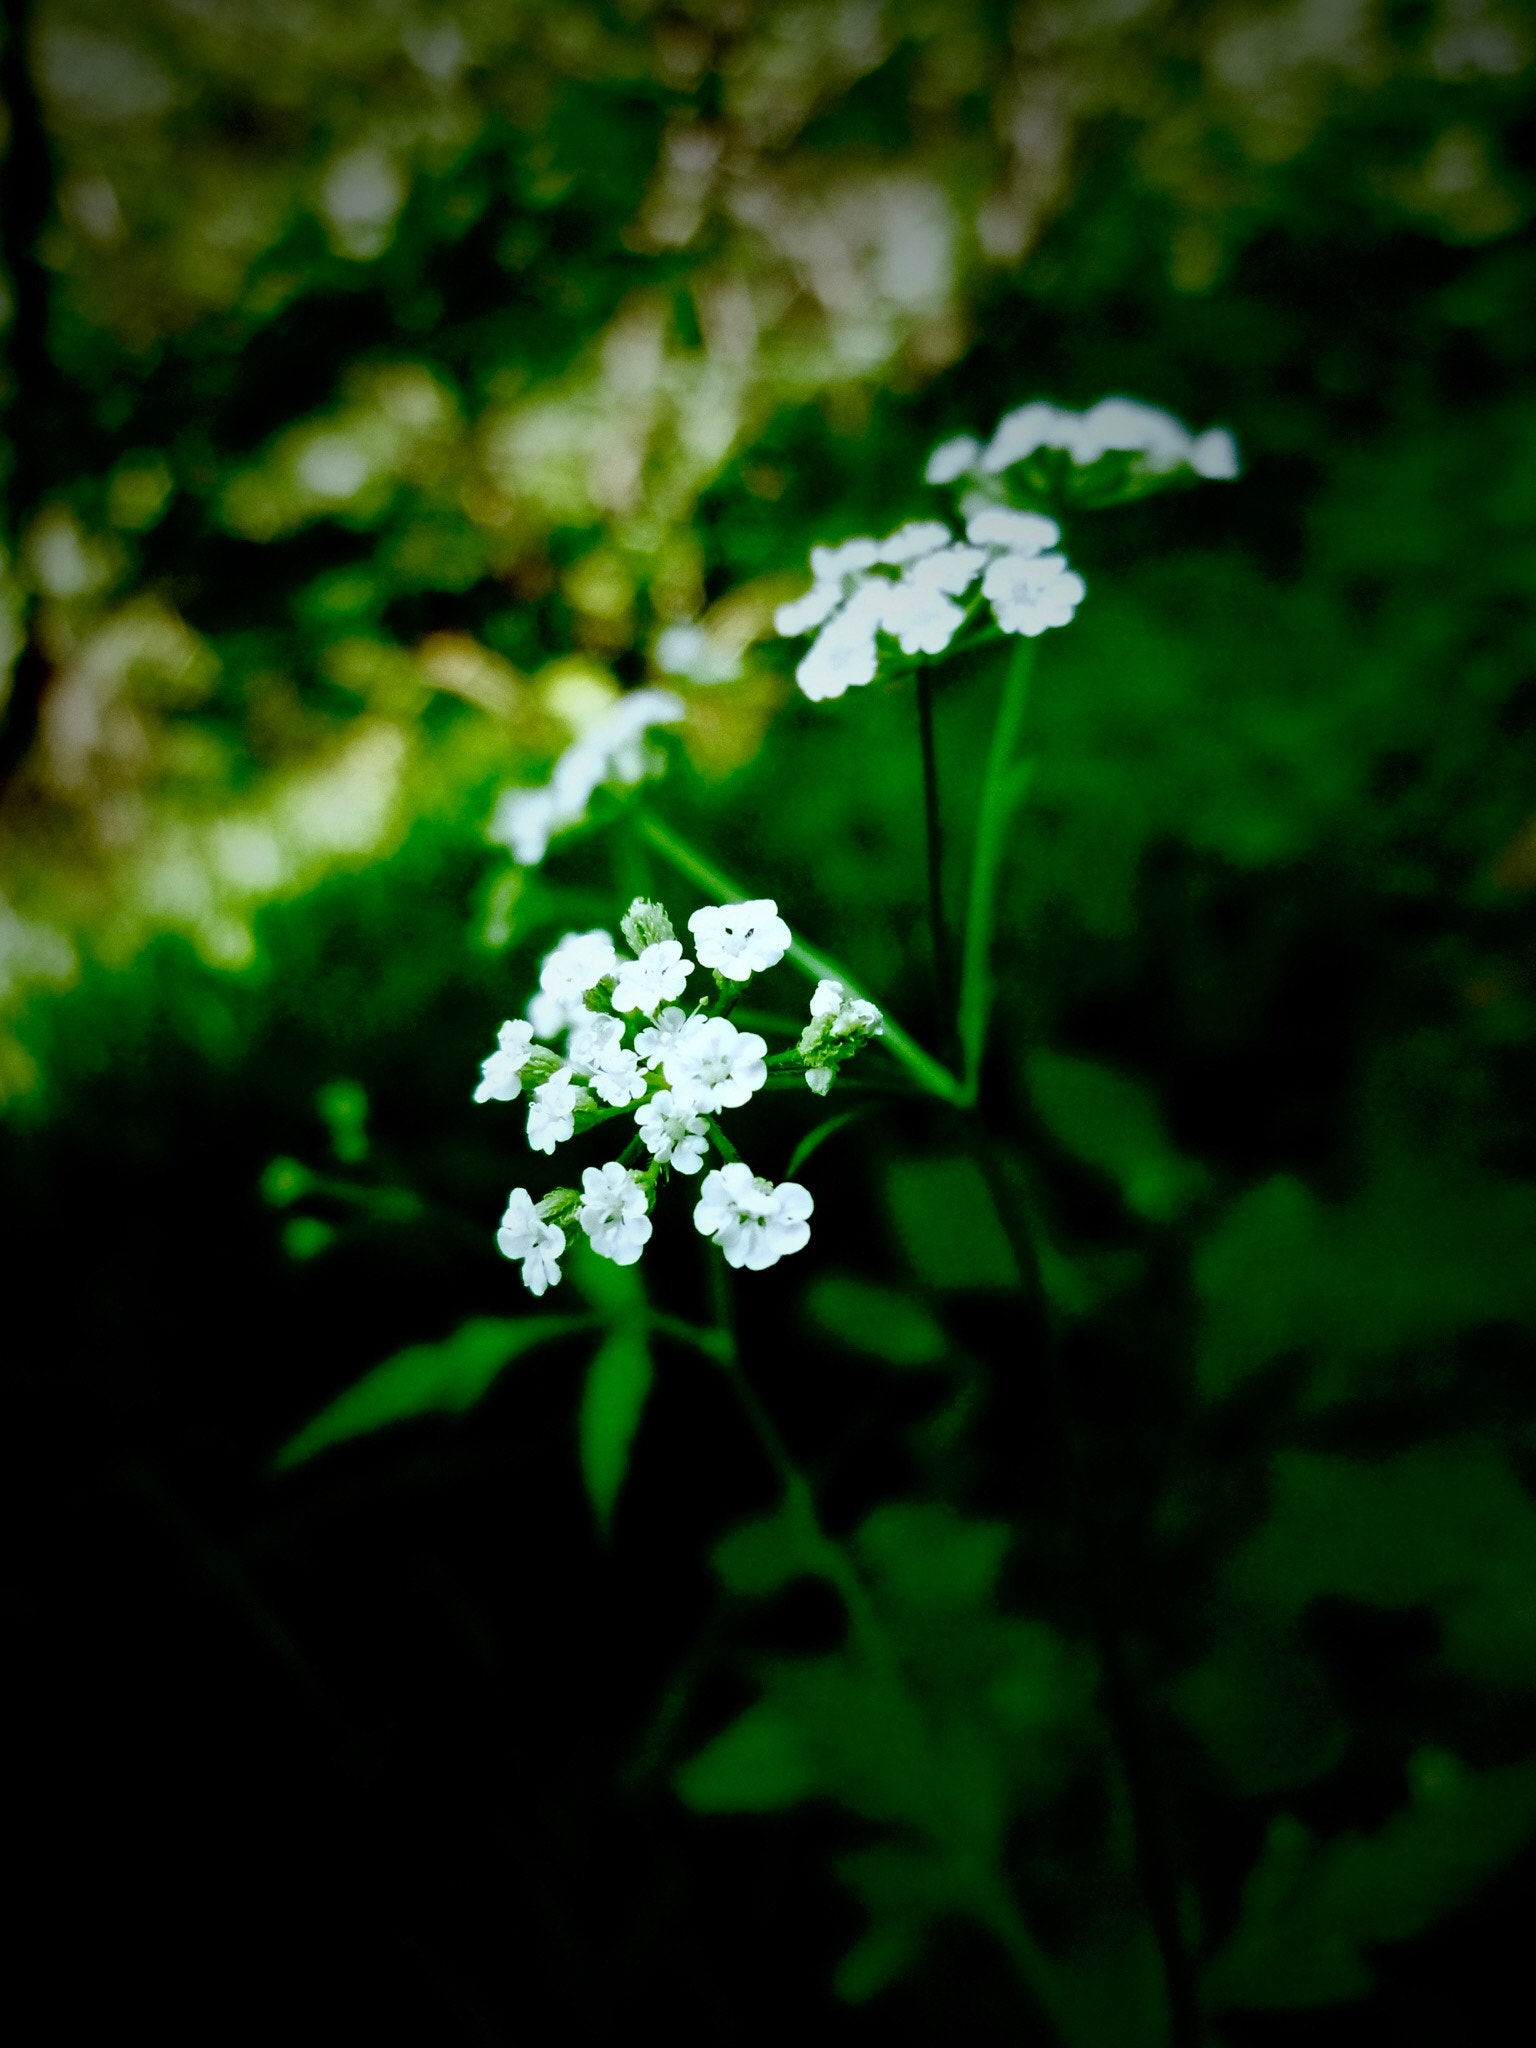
[
  {"x": 1155, "y": 443},
  {"x": 614, "y": 750},
  {"x": 854, "y": 598},
  {"x": 912, "y": 586},
  {"x": 678, "y": 1065}
]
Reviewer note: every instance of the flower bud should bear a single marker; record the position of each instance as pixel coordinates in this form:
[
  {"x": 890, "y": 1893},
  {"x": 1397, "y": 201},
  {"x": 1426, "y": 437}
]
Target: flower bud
[{"x": 645, "y": 924}]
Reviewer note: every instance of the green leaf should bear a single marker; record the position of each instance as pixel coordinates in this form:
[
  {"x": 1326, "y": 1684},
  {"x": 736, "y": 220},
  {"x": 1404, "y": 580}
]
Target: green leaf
[
  {"x": 925, "y": 1556},
  {"x": 1445, "y": 1525},
  {"x": 763, "y": 1556},
  {"x": 890, "y": 1326},
  {"x": 449, "y": 1376},
  {"x": 1310, "y": 1908},
  {"x": 1114, "y": 1124},
  {"x": 618, "y": 1383},
  {"x": 948, "y": 1225},
  {"x": 815, "y": 1139},
  {"x": 1421, "y": 1253},
  {"x": 756, "y": 1766},
  {"x": 1261, "y": 1704},
  {"x": 617, "y": 1293}
]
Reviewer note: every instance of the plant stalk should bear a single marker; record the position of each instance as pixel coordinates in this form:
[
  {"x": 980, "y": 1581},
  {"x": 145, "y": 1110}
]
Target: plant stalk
[
  {"x": 929, "y": 1073},
  {"x": 1003, "y": 785}
]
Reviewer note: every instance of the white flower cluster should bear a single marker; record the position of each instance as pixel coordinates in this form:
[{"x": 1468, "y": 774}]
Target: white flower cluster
[
  {"x": 613, "y": 750},
  {"x": 1157, "y": 443},
  {"x": 910, "y": 585},
  {"x": 853, "y": 599},
  {"x": 630, "y": 1040}
]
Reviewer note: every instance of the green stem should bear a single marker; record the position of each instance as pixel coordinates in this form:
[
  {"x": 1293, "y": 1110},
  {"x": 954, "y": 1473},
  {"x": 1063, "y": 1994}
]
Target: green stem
[
  {"x": 938, "y": 927},
  {"x": 1004, "y": 784},
  {"x": 933, "y": 1077}
]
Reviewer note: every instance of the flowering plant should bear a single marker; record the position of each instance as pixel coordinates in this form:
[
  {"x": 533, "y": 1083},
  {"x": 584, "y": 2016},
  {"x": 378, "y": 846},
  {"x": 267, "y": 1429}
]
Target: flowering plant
[{"x": 938, "y": 1717}]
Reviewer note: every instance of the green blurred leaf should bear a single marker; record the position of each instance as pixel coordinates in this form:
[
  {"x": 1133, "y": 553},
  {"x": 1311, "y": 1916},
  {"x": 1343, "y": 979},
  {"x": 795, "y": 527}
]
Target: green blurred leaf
[
  {"x": 947, "y": 1224},
  {"x": 449, "y": 1376},
  {"x": 877, "y": 1320},
  {"x": 762, "y": 1556},
  {"x": 618, "y": 1383},
  {"x": 617, "y": 1293},
  {"x": 1421, "y": 1253},
  {"x": 1310, "y": 1908},
  {"x": 756, "y": 1766},
  {"x": 1115, "y": 1124},
  {"x": 1261, "y": 1704},
  {"x": 1445, "y": 1525}
]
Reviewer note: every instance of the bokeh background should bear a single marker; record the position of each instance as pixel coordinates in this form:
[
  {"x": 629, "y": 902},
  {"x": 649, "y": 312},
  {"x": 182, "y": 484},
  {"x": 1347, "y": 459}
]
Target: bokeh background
[{"x": 382, "y": 379}]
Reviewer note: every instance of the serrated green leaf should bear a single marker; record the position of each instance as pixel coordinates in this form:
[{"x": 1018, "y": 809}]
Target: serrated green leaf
[
  {"x": 449, "y": 1376},
  {"x": 1310, "y": 1908},
  {"x": 877, "y": 1320},
  {"x": 618, "y": 1384},
  {"x": 1115, "y": 1124}
]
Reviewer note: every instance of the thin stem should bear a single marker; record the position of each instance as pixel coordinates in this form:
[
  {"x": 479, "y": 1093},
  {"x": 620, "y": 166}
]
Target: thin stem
[
  {"x": 1019, "y": 1213},
  {"x": 938, "y": 927},
  {"x": 827, "y": 1554},
  {"x": 933, "y": 1077},
  {"x": 1003, "y": 785}
]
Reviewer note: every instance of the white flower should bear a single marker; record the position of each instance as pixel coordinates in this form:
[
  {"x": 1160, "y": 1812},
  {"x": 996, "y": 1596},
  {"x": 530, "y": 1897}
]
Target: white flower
[
  {"x": 578, "y": 963},
  {"x": 1020, "y": 432},
  {"x": 612, "y": 1212},
  {"x": 597, "y": 1052},
  {"x": 613, "y": 750},
  {"x": 501, "y": 1076},
  {"x": 1021, "y": 533},
  {"x": 952, "y": 459},
  {"x": 846, "y": 559},
  {"x": 849, "y": 1015},
  {"x": 738, "y": 939},
  {"x": 843, "y": 655},
  {"x": 754, "y": 1223},
  {"x": 549, "y": 1015},
  {"x": 655, "y": 978},
  {"x": 552, "y": 1111},
  {"x": 659, "y": 1036},
  {"x": 918, "y": 537},
  {"x": 819, "y": 1079},
  {"x": 525, "y": 1235},
  {"x": 712, "y": 1065},
  {"x": 1029, "y": 593},
  {"x": 924, "y": 621},
  {"x": 693, "y": 652},
  {"x": 674, "y": 1132},
  {"x": 1159, "y": 443},
  {"x": 804, "y": 614},
  {"x": 1214, "y": 455},
  {"x": 1132, "y": 428}
]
